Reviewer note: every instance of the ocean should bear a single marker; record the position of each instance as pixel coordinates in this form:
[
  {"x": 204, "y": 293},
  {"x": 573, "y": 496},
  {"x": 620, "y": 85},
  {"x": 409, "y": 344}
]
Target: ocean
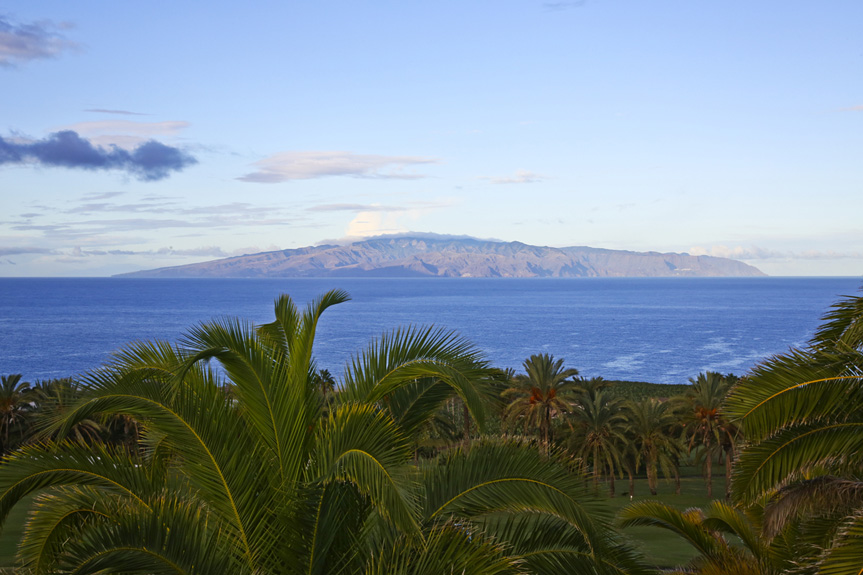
[{"x": 662, "y": 330}]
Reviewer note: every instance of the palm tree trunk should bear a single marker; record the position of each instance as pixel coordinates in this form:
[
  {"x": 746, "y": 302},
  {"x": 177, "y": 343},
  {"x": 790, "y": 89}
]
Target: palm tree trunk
[
  {"x": 611, "y": 483},
  {"x": 466, "y": 427},
  {"x": 595, "y": 467},
  {"x": 728, "y": 464},
  {"x": 631, "y": 483},
  {"x": 709, "y": 460},
  {"x": 676, "y": 480},
  {"x": 651, "y": 477}
]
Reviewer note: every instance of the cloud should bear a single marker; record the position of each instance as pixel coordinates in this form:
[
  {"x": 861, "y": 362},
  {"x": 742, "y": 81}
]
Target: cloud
[
  {"x": 120, "y": 112},
  {"x": 357, "y": 208},
  {"x": 148, "y": 162},
  {"x": 853, "y": 109},
  {"x": 757, "y": 253},
  {"x": 26, "y": 42},
  {"x": 288, "y": 166},
  {"x": 17, "y": 251},
  {"x": 520, "y": 177},
  {"x": 124, "y": 134}
]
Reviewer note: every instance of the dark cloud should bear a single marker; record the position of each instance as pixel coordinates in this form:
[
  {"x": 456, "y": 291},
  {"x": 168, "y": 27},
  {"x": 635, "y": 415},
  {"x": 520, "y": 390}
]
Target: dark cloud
[
  {"x": 23, "y": 250},
  {"x": 149, "y": 161},
  {"x": 25, "y": 42}
]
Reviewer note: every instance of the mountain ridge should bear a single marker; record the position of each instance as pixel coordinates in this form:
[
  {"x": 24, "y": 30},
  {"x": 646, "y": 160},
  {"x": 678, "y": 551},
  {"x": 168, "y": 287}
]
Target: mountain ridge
[{"x": 423, "y": 256}]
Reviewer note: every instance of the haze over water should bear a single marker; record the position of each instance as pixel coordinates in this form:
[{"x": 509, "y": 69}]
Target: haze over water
[{"x": 647, "y": 329}]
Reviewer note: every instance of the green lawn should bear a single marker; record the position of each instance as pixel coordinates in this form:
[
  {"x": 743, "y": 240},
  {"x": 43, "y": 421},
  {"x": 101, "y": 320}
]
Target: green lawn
[
  {"x": 661, "y": 547},
  {"x": 12, "y": 530}
]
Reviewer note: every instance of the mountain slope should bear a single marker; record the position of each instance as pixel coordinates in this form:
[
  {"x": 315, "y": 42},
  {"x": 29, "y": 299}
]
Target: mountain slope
[{"x": 421, "y": 256}]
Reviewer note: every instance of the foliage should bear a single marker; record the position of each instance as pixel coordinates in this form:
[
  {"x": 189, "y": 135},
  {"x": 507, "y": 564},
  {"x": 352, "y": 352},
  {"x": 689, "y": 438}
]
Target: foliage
[
  {"x": 247, "y": 467},
  {"x": 541, "y": 395},
  {"x": 802, "y": 416}
]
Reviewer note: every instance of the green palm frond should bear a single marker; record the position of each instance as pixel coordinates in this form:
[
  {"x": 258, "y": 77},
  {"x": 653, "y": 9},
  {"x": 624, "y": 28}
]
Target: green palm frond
[
  {"x": 174, "y": 536},
  {"x": 548, "y": 545},
  {"x": 796, "y": 454},
  {"x": 390, "y": 369},
  {"x": 688, "y": 525},
  {"x": 845, "y": 555},
  {"x": 447, "y": 548},
  {"x": 362, "y": 446},
  {"x": 843, "y": 324},
  {"x": 510, "y": 477},
  {"x": 34, "y": 468}
]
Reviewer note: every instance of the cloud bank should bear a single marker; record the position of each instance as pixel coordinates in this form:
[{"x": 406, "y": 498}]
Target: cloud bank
[
  {"x": 758, "y": 253},
  {"x": 289, "y": 166},
  {"x": 25, "y": 42},
  {"x": 149, "y": 161}
]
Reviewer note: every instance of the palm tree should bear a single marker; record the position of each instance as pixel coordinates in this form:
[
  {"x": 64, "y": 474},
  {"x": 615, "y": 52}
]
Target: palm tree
[
  {"x": 541, "y": 395},
  {"x": 599, "y": 426},
  {"x": 15, "y": 405},
  {"x": 801, "y": 414},
  {"x": 706, "y": 426},
  {"x": 650, "y": 426},
  {"x": 264, "y": 480}
]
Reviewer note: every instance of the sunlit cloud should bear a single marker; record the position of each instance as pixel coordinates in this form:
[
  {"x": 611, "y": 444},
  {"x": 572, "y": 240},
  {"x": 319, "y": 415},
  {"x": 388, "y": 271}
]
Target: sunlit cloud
[
  {"x": 356, "y": 208},
  {"x": 118, "y": 112},
  {"x": 21, "y": 43},
  {"x": 289, "y": 166},
  {"x": 520, "y": 177}
]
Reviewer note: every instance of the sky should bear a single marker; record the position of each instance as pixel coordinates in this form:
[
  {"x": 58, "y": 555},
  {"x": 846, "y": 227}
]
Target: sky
[{"x": 137, "y": 135}]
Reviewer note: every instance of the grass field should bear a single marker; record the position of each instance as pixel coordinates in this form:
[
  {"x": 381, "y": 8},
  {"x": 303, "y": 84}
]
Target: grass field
[{"x": 661, "y": 547}]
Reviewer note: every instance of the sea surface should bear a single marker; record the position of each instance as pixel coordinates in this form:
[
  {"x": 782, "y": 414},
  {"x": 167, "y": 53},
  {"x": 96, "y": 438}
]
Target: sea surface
[{"x": 646, "y": 329}]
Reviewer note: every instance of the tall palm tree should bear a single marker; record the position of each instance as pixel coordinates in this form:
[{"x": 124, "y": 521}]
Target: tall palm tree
[
  {"x": 243, "y": 471},
  {"x": 706, "y": 426},
  {"x": 650, "y": 426},
  {"x": 541, "y": 395},
  {"x": 599, "y": 427},
  {"x": 802, "y": 418}
]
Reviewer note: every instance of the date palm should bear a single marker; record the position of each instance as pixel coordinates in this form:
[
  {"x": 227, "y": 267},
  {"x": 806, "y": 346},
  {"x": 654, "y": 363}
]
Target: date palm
[
  {"x": 541, "y": 395},
  {"x": 599, "y": 427},
  {"x": 706, "y": 425},
  {"x": 243, "y": 471},
  {"x": 650, "y": 425}
]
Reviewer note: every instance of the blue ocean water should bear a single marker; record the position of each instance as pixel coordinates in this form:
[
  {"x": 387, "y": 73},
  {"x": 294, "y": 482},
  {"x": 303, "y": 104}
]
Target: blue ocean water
[{"x": 649, "y": 329}]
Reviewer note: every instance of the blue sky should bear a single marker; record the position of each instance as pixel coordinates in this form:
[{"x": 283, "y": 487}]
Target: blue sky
[{"x": 145, "y": 134}]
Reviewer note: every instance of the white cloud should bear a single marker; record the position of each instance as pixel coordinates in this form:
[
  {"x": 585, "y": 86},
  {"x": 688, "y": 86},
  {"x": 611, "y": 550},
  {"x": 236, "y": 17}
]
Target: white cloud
[
  {"x": 520, "y": 177},
  {"x": 367, "y": 224},
  {"x": 288, "y": 166},
  {"x": 758, "y": 253}
]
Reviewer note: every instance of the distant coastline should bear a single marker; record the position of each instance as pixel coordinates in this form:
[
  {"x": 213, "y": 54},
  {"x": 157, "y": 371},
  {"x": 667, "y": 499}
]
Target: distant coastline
[{"x": 416, "y": 257}]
